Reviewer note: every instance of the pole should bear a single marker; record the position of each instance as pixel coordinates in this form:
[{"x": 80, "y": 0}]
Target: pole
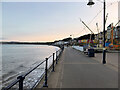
[
  {"x": 90, "y": 39},
  {"x": 53, "y": 62},
  {"x": 45, "y": 84},
  {"x": 98, "y": 33},
  {"x": 104, "y": 51},
  {"x": 56, "y": 57},
  {"x": 21, "y": 82},
  {"x": 87, "y": 26}
]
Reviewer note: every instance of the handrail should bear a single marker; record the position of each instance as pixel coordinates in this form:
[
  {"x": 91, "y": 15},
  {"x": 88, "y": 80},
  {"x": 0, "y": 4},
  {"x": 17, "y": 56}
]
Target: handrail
[
  {"x": 33, "y": 69},
  {"x": 21, "y": 78},
  {"x": 50, "y": 56},
  {"x": 12, "y": 84}
]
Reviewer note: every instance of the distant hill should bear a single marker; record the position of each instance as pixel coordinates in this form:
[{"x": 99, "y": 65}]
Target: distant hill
[
  {"x": 36, "y": 43},
  {"x": 87, "y": 36}
]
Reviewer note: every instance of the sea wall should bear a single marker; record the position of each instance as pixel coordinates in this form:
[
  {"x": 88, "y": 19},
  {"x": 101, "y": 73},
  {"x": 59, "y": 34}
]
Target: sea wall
[{"x": 78, "y": 48}]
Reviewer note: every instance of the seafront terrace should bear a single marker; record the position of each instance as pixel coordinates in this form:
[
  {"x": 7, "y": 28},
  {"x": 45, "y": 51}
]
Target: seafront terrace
[{"x": 76, "y": 70}]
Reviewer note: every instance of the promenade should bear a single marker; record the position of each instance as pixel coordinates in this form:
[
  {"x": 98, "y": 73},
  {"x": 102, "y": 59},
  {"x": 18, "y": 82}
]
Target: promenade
[{"x": 76, "y": 70}]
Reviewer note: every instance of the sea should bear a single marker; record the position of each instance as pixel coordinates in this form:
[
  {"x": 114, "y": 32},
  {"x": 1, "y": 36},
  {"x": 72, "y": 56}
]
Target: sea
[{"x": 18, "y": 59}]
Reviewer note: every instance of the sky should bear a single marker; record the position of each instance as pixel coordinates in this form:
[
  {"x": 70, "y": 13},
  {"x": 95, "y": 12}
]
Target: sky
[
  {"x": 50, "y": 21},
  {"x": 119, "y": 11}
]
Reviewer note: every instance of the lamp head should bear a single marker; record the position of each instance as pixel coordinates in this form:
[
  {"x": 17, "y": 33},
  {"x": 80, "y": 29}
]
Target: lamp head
[{"x": 90, "y": 3}]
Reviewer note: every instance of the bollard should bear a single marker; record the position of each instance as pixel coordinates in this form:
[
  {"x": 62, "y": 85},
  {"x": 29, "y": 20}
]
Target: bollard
[
  {"x": 53, "y": 62},
  {"x": 104, "y": 56},
  {"x": 45, "y": 84},
  {"x": 56, "y": 57},
  {"x": 21, "y": 82}
]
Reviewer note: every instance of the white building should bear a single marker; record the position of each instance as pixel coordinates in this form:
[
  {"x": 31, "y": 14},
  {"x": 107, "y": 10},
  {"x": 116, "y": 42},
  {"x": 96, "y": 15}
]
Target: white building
[{"x": 61, "y": 43}]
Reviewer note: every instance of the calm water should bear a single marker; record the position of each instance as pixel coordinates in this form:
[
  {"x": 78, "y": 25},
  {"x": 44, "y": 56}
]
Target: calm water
[{"x": 16, "y": 59}]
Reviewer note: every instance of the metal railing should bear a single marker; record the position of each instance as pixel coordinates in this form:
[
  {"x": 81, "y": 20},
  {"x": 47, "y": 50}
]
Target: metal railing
[{"x": 21, "y": 78}]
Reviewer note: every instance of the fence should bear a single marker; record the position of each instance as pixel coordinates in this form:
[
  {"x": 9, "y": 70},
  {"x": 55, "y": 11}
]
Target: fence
[{"x": 21, "y": 78}]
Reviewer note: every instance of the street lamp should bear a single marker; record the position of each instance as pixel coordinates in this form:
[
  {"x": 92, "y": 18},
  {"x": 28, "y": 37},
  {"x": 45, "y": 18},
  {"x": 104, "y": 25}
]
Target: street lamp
[
  {"x": 72, "y": 37},
  {"x": 90, "y": 3}
]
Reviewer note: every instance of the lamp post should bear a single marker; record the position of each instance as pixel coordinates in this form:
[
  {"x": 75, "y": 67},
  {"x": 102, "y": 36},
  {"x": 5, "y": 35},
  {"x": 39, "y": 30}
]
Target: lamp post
[
  {"x": 90, "y": 3},
  {"x": 72, "y": 39}
]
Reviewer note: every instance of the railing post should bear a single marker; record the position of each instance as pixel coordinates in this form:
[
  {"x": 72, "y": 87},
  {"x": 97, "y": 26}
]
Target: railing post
[
  {"x": 56, "y": 57},
  {"x": 45, "y": 84},
  {"x": 21, "y": 82},
  {"x": 53, "y": 62},
  {"x": 59, "y": 54}
]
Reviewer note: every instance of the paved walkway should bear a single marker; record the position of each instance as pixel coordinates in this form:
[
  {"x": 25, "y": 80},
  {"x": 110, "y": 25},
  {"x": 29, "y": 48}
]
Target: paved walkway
[
  {"x": 76, "y": 70},
  {"x": 111, "y": 59}
]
